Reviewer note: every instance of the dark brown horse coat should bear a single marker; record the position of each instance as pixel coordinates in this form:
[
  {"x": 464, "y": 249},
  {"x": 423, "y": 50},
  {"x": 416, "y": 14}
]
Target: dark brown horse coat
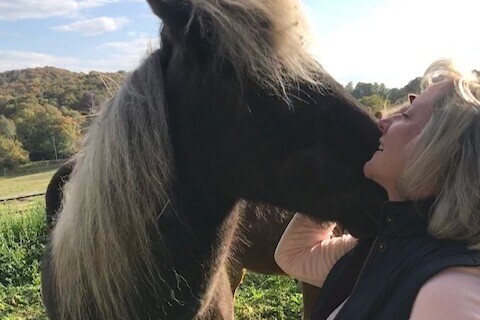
[{"x": 229, "y": 132}]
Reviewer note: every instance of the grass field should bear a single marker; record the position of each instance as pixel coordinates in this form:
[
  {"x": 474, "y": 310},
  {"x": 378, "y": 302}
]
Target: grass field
[
  {"x": 23, "y": 184},
  {"x": 22, "y": 240},
  {"x": 19, "y": 207},
  {"x": 27, "y": 179},
  {"x": 32, "y": 178}
]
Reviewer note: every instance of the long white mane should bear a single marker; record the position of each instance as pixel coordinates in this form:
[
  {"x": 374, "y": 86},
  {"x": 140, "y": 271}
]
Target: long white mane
[{"x": 117, "y": 190}]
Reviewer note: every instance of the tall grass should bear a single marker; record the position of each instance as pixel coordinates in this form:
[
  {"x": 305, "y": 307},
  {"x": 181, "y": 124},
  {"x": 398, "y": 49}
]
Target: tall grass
[
  {"x": 268, "y": 297},
  {"x": 22, "y": 239}
]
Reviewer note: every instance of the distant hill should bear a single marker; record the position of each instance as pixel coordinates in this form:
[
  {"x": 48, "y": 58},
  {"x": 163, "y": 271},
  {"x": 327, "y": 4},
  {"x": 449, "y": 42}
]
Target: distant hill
[
  {"x": 43, "y": 111},
  {"x": 56, "y": 87}
]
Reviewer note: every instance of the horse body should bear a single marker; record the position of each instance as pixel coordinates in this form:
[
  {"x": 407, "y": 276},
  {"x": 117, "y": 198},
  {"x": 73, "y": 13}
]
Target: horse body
[
  {"x": 191, "y": 132},
  {"x": 255, "y": 239}
]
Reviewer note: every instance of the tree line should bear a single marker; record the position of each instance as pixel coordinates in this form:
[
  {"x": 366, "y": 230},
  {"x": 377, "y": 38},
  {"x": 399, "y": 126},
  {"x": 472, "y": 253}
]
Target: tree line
[
  {"x": 378, "y": 98},
  {"x": 44, "y": 111}
]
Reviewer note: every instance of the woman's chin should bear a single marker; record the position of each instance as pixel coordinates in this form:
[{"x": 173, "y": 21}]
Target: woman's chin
[{"x": 368, "y": 168}]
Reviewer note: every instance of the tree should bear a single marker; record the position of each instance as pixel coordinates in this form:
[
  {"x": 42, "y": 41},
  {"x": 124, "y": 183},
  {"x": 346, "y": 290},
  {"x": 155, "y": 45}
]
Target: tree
[
  {"x": 4, "y": 99},
  {"x": 68, "y": 99},
  {"x": 7, "y": 127},
  {"x": 87, "y": 103},
  {"x": 46, "y": 133},
  {"x": 414, "y": 86},
  {"x": 397, "y": 95},
  {"x": 56, "y": 87},
  {"x": 67, "y": 112},
  {"x": 375, "y": 102},
  {"x": 349, "y": 87},
  {"x": 362, "y": 89},
  {"x": 11, "y": 153}
]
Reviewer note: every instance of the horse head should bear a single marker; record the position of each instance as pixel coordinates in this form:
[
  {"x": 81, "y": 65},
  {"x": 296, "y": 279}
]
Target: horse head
[{"x": 260, "y": 116}]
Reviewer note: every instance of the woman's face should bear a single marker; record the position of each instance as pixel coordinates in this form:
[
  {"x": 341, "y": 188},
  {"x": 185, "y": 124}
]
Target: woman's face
[{"x": 399, "y": 132}]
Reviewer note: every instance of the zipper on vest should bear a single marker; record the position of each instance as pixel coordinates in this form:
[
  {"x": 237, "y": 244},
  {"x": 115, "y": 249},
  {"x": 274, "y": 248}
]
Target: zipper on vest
[{"x": 360, "y": 274}]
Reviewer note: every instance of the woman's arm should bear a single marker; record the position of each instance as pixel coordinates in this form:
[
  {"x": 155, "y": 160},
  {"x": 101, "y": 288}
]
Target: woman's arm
[{"x": 306, "y": 251}]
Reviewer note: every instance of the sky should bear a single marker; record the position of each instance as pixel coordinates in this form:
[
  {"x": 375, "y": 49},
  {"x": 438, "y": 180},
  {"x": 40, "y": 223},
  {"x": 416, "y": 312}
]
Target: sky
[{"x": 384, "y": 41}]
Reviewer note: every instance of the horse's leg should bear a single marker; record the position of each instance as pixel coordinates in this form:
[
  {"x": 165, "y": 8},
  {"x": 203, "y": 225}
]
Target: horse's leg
[
  {"x": 236, "y": 273},
  {"x": 221, "y": 303},
  {"x": 310, "y": 295},
  {"x": 261, "y": 227},
  {"x": 256, "y": 239}
]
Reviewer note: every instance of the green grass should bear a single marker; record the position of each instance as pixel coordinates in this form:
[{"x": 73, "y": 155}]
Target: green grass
[
  {"x": 18, "y": 207},
  {"x": 21, "y": 184},
  {"x": 22, "y": 238},
  {"x": 268, "y": 297},
  {"x": 35, "y": 167}
]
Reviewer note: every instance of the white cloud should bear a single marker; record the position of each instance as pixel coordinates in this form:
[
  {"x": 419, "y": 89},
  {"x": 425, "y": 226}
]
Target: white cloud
[
  {"x": 36, "y": 9},
  {"x": 127, "y": 54},
  {"x": 14, "y": 59},
  {"x": 396, "y": 42},
  {"x": 94, "y": 26},
  {"x": 114, "y": 56},
  {"x": 134, "y": 47}
]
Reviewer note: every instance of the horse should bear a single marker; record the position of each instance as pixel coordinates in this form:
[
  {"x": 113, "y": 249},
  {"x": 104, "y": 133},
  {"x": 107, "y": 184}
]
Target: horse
[
  {"x": 260, "y": 229},
  {"x": 256, "y": 238},
  {"x": 232, "y": 106}
]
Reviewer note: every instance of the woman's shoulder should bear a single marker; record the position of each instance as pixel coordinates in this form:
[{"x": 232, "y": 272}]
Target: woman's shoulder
[
  {"x": 453, "y": 293},
  {"x": 459, "y": 279}
]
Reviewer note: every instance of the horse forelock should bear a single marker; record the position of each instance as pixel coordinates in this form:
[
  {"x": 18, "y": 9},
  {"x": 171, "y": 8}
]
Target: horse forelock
[
  {"x": 118, "y": 189},
  {"x": 266, "y": 40}
]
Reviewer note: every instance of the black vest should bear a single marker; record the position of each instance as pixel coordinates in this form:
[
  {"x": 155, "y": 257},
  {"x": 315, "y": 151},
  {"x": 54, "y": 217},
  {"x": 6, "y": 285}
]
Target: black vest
[{"x": 382, "y": 276}]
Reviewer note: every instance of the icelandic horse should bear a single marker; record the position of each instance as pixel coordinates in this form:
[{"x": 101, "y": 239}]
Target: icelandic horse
[{"x": 232, "y": 106}]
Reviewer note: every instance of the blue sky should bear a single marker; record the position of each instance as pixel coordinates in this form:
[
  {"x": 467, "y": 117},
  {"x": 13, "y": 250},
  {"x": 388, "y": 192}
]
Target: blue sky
[{"x": 389, "y": 41}]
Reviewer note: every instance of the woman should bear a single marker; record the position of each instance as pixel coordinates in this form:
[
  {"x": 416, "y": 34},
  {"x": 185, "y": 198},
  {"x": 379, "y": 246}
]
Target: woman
[{"x": 424, "y": 263}]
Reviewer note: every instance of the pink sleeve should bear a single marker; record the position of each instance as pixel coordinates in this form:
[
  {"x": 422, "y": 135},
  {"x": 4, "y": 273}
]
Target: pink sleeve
[
  {"x": 307, "y": 253},
  {"x": 452, "y": 294}
]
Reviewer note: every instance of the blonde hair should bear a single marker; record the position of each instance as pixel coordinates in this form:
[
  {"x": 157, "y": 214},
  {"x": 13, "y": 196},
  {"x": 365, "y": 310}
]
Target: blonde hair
[
  {"x": 118, "y": 189},
  {"x": 447, "y": 156}
]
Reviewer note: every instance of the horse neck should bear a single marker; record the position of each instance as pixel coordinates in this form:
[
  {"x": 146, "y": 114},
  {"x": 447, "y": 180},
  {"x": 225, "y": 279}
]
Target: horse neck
[{"x": 197, "y": 233}]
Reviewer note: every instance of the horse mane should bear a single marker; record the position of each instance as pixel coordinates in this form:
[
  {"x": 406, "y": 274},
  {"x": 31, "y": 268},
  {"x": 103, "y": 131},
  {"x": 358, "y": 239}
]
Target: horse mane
[
  {"x": 267, "y": 40},
  {"x": 118, "y": 188}
]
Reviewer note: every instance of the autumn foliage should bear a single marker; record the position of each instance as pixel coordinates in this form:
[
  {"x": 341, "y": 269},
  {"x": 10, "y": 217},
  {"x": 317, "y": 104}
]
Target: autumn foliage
[{"x": 43, "y": 111}]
